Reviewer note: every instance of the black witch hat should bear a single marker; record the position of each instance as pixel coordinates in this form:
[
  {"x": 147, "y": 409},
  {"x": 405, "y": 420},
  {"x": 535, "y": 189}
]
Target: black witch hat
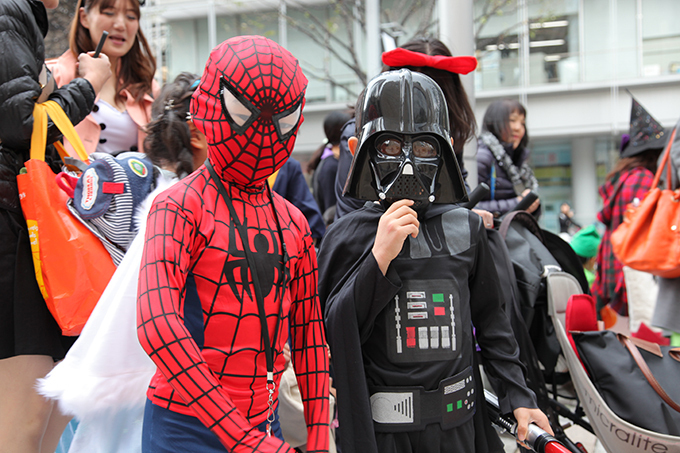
[{"x": 645, "y": 132}]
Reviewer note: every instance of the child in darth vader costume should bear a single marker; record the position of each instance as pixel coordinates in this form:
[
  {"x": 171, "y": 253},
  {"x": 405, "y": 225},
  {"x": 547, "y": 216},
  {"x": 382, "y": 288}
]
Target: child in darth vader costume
[
  {"x": 403, "y": 281},
  {"x": 229, "y": 271}
]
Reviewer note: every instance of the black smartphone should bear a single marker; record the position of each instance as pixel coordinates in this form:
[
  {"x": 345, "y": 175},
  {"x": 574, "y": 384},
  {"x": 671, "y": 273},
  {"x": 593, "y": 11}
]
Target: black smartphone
[{"x": 101, "y": 44}]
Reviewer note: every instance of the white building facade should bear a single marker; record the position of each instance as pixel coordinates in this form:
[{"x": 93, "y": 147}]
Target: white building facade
[{"x": 572, "y": 63}]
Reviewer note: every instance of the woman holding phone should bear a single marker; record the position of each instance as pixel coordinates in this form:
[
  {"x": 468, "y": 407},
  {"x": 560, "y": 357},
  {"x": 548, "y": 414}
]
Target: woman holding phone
[
  {"x": 123, "y": 106},
  {"x": 502, "y": 158}
]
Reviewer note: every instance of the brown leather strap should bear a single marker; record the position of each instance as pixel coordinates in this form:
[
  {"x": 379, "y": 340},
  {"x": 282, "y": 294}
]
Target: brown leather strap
[
  {"x": 646, "y": 371},
  {"x": 505, "y": 223},
  {"x": 525, "y": 219}
]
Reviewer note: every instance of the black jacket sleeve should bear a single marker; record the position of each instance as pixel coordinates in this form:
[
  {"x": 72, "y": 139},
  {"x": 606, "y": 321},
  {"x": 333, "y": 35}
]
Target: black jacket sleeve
[
  {"x": 494, "y": 333},
  {"x": 21, "y": 60}
]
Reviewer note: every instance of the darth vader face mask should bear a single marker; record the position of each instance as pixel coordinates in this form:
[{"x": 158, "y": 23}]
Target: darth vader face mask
[
  {"x": 404, "y": 148},
  {"x": 405, "y": 166}
]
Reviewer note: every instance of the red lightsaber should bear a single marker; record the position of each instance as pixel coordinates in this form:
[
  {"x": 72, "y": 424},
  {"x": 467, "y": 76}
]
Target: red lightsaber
[{"x": 537, "y": 439}]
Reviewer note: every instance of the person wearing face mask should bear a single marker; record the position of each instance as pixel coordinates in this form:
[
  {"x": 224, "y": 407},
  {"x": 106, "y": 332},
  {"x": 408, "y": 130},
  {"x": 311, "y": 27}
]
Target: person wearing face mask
[
  {"x": 502, "y": 156},
  {"x": 431, "y": 57},
  {"x": 404, "y": 278},
  {"x": 30, "y": 339},
  {"x": 123, "y": 106},
  {"x": 228, "y": 271}
]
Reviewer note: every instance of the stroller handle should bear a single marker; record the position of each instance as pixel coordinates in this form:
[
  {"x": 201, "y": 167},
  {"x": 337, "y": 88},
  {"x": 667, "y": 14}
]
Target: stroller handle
[
  {"x": 556, "y": 447},
  {"x": 476, "y": 195},
  {"x": 525, "y": 202}
]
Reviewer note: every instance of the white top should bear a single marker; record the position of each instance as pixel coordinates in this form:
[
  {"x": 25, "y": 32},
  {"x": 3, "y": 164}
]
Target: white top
[{"x": 119, "y": 131}]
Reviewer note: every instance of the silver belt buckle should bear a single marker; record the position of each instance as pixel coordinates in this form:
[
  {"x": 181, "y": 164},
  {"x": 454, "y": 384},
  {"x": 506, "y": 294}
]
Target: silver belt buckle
[{"x": 393, "y": 407}]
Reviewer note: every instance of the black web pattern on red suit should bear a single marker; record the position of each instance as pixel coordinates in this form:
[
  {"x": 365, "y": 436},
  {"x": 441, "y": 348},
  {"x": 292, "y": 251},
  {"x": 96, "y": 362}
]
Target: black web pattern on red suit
[
  {"x": 223, "y": 383},
  {"x": 273, "y": 83}
]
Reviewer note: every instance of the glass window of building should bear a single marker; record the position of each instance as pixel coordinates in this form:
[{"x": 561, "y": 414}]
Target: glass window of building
[
  {"x": 551, "y": 161},
  {"x": 609, "y": 40},
  {"x": 537, "y": 42},
  {"x": 527, "y": 43},
  {"x": 497, "y": 33},
  {"x": 660, "y": 37},
  {"x": 323, "y": 35},
  {"x": 553, "y": 40}
]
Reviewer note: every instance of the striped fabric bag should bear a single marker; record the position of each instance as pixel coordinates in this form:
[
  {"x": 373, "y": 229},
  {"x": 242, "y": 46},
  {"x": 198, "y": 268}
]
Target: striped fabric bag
[{"x": 106, "y": 195}]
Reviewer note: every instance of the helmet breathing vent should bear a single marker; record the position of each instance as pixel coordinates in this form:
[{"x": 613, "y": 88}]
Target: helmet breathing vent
[{"x": 408, "y": 186}]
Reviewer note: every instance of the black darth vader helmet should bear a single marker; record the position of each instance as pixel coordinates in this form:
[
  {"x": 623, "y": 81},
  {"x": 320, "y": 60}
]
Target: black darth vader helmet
[{"x": 404, "y": 146}]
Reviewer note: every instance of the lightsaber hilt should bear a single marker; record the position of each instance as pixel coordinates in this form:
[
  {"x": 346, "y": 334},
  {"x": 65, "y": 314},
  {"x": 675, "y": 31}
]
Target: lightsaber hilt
[{"x": 536, "y": 439}]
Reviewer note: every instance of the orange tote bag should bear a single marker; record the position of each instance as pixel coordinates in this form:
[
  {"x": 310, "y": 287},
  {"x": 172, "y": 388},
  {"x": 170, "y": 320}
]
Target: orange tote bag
[
  {"x": 648, "y": 239},
  {"x": 72, "y": 266}
]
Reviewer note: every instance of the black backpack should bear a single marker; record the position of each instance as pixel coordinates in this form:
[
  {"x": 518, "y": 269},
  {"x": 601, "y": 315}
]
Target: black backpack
[{"x": 535, "y": 253}]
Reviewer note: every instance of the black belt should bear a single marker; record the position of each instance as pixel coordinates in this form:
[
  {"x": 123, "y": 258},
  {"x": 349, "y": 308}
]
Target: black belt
[{"x": 396, "y": 409}]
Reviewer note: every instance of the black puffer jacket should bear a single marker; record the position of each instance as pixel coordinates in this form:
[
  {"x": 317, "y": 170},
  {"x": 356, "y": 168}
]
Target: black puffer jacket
[
  {"x": 505, "y": 198},
  {"x": 23, "y": 25}
]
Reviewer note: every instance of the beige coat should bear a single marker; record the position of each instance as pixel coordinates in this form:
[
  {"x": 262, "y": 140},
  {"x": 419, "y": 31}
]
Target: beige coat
[{"x": 64, "y": 70}]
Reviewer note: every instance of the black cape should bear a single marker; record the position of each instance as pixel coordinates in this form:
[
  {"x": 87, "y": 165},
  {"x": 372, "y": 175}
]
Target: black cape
[{"x": 353, "y": 293}]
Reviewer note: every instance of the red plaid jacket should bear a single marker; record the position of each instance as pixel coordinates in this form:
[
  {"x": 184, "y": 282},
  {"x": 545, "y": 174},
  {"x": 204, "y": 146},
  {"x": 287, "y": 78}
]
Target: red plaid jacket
[{"x": 609, "y": 286}]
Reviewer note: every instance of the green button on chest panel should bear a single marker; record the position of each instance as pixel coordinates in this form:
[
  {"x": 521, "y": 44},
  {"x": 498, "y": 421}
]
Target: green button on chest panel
[{"x": 422, "y": 322}]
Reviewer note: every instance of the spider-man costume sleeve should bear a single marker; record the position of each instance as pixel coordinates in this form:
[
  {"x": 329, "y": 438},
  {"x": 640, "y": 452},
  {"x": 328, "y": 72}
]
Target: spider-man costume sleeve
[{"x": 309, "y": 348}]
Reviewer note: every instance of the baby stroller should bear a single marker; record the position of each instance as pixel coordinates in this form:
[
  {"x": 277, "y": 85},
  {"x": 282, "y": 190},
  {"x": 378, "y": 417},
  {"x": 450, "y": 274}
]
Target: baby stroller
[
  {"x": 615, "y": 434},
  {"x": 526, "y": 305},
  {"x": 523, "y": 262}
]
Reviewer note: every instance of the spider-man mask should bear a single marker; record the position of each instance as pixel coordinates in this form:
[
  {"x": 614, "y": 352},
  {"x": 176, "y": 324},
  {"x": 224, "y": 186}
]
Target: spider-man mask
[{"x": 249, "y": 106}]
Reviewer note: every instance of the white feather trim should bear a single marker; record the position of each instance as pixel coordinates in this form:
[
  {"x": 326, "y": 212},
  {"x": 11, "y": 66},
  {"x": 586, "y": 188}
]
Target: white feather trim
[{"x": 107, "y": 369}]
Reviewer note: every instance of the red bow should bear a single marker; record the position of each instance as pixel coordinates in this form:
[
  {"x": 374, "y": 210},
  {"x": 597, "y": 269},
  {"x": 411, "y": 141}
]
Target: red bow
[{"x": 402, "y": 57}]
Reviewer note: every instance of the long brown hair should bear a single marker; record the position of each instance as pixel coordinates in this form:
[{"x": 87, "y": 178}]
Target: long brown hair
[
  {"x": 136, "y": 68},
  {"x": 461, "y": 116},
  {"x": 647, "y": 159}
]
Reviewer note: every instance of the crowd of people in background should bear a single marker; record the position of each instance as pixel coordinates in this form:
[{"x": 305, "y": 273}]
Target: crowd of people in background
[{"x": 215, "y": 307}]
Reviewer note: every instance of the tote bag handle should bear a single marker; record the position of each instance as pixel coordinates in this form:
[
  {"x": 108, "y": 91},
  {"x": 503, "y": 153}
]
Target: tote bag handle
[
  {"x": 640, "y": 361},
  {"x": 664, "y": 161},
  {"x": 59, "y": 118}
]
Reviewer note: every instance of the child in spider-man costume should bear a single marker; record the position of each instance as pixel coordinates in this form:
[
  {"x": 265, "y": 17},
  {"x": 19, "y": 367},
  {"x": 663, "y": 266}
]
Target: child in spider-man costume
[{"x": 200, "y": 310}]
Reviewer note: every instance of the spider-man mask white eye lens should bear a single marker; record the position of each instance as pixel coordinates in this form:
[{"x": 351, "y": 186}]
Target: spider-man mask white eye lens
[
  {"x": 239, "y": 111},
  {"x": 287, "y": 121}
]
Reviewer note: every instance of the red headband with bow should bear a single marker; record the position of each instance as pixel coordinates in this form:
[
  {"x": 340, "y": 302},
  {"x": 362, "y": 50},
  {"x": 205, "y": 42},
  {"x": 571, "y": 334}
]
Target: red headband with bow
[{"x": 402, "y": 57}]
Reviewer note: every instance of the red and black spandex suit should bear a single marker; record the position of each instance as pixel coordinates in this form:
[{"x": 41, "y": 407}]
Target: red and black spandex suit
[{"x": 197, "y": 312}]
